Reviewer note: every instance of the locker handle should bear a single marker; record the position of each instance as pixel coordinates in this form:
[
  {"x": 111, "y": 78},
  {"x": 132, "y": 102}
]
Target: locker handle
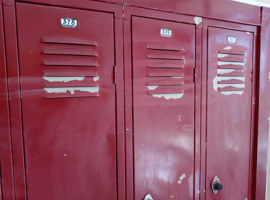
[{"x": 216, "y": 185}]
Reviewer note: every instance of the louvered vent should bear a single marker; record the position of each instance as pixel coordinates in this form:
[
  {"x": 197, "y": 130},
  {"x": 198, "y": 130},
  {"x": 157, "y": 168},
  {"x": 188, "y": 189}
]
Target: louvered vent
[
  {"x": 165, "y": 64},
  {"x": 230, "y": 77},
  {"x": 71, "y": 67}
]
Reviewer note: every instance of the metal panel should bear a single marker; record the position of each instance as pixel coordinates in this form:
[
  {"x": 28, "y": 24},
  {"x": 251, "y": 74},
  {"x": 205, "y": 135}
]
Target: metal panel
[
  {"x": 163, "y": 95},
  {"x": 68, "y": 104},
  {"x": 230, "y": 61}
]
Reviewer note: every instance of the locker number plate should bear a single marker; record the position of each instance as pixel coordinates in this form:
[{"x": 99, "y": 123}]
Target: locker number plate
[
  {"x": 231, "y": 39},
  {"x": 165, "y": 32},
  {"x": 69, "y": 22}
]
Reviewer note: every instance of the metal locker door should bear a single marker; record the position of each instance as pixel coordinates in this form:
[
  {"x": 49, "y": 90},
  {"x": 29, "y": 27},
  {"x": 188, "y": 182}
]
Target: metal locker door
[
  {"x": 163, "y": 95},
  {"x": 229, "y": 100},
  {"x": 66, "y": 59}
]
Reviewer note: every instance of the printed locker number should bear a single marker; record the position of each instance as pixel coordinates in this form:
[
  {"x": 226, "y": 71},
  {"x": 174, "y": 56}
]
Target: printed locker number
[
  {"x": 165, "y": 32},
  {"x": 69, "y": 22}
]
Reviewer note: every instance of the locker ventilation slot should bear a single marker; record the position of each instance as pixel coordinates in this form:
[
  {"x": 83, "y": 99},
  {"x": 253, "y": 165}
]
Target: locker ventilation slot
[
  {"x": 165, "y": 64},
  {"x": 230, "y": 77},
  {"x": 71, "y": 67}
]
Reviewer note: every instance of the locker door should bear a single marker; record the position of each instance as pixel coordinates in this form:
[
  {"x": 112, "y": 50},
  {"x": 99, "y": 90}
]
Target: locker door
[
  {"x": 163, "y": 92},
  {"x": 229, "y": 96},
  {"x": 66, "y": 59}
]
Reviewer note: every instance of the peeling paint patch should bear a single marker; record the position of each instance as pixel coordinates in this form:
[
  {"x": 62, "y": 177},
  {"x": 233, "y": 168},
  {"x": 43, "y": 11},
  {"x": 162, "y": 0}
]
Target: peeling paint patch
[
  {"x": 169, "y": 96},
  {"x": 63, "y": 79},
  {"x": 152, "y": 87},
  {"x": 197, "y": 20},
  {"x": 228, "y": 48},
  {"x": 72, "y": 89},
  {"x": 96, "y": 78},
  {"x": 216, "y": 85},
  {"x": 181, "y": 178}
]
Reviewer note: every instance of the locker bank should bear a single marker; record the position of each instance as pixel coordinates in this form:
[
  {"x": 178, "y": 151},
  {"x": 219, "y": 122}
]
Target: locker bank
[{"x": 134, "y": 100}]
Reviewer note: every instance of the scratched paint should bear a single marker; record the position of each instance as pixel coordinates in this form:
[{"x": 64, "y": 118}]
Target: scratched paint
[
  {"x": 72, "y": 89},
  {"x": 181, "y": 178}
]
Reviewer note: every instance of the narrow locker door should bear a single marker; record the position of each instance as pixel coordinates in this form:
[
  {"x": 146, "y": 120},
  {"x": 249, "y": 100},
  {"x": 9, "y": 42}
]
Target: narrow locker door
[
  {"x": 66, "y": 61},
  {"x": 163, "y": 89},
  {"x": 230, "y": 56}
]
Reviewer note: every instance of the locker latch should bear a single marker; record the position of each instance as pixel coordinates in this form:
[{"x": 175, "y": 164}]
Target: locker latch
[{"x": 216, "y": 185}]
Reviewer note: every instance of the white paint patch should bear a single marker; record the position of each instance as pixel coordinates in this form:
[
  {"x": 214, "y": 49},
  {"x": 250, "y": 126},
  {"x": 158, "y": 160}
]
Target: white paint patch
[
  {"x": 181, "y": 178},
  {"x": 72, "y": 89},
  {"x": 62, "y": 78},
  {"x": 176, "y": 76},
  {"x": 169, "y": 96},
  {"x": 197, "y": 20},
  {"x": 96, "y": 78},
  {"x": 228, "y": 48},
  {"x": 248, "y": 33},
  {"x": 218, "y": 78},
  {"x": 152, "y": 87},
  {"x": 225, "y": 71},
  {"x": 230, "y": 63},
  {"x": 223, "y": 55}
]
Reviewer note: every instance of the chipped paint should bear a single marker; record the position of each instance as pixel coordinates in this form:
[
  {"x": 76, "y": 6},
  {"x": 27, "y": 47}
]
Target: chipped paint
[
  {"x": 72, "y": 89},
  {"x": 197, "y": 20},
  {"x": 181, "y": 178},
  {"x": 179, "y": 119},
  {"x": 96, "y": 78},
  {"x": 228, "y": 48},
  {"x": 169, "y": 96},
  {"x": 223, "y": 55},
  {"x": 63, "y": 79},
  {"x": 65, "y": 154},
  {"x": 248, "y": 33},
  {"x": 218, "y": 78},
  {"x": 171, "y": 196},
  {"x": 230, "y": 63},
  {"x": 152, "y": 87}
]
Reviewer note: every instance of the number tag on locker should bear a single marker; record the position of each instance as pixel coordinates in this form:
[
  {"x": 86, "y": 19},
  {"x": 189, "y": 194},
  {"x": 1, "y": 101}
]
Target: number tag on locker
[
  {"x": 69, "y": 22},
  {"x": 165, "y": 32}
]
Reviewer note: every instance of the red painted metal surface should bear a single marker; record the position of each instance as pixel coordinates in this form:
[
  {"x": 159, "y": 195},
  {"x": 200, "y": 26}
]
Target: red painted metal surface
[
  {"x": 229, "y": 113},
  {"x": 264, "y": 109},
  {"x": 6, "y": 176},
  {"x": 163, "y": 110},
  {"x": 148, "y": 156},
  {"x": 32, "y": 71}
]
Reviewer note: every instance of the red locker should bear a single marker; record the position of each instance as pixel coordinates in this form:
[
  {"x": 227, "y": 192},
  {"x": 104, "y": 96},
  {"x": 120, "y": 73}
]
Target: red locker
[
  {"x": 229, "y": 112},
  {"x": 177, "y": 122},
  {"x": 163, "y": 91},
  {"x": 67, "y": 89}
]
